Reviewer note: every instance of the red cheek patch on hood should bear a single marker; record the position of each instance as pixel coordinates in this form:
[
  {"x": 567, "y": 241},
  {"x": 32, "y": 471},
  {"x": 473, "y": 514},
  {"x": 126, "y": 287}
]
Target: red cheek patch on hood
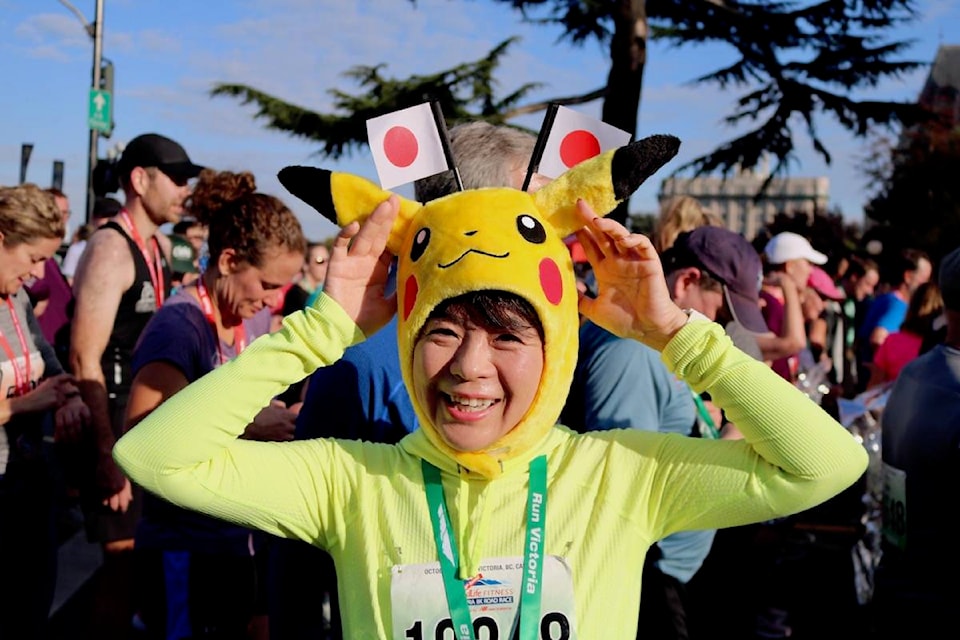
[
  {"x": 410, "y": 291},
  {"x": 550, "y": 281}
]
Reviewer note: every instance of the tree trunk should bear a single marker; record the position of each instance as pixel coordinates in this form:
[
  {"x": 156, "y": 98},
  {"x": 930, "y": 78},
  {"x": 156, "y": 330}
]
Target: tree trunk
[{"x": 628, "y": 56}]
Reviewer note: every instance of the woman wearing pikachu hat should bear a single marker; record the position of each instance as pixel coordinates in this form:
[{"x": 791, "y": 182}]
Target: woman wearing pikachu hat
[{"x": 491, "y": 521}]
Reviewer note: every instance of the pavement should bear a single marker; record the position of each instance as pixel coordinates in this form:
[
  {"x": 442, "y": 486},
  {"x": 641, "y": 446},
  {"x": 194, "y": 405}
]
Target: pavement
[{"x": 79, "y": 561}]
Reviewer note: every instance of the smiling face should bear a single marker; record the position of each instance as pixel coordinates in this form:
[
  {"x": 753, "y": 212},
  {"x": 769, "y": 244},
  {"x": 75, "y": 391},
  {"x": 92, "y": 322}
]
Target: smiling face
[
  {"x": 485, "y": 391},
  {"x": 20, "y": 262},
  {"x": 476, "y": 369}
]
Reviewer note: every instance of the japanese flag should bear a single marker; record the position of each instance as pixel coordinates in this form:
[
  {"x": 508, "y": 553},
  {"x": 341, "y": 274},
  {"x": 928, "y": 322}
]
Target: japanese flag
[
  {"x": 574, "y": 138},
  {"x": 406, "y": 145}
]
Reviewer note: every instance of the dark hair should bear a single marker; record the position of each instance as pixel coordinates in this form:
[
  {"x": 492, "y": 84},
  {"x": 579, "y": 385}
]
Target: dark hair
[
  {"x": 185, "y": 225},
  {"x": 85, "y": 230},
  {"x": 492, "y": 310},
  {"x": 925, "y": 307},
  {"x": 899, "y": 265},
  {"x": 858, "y": 266},
  {"x": 241, "y": 219}
]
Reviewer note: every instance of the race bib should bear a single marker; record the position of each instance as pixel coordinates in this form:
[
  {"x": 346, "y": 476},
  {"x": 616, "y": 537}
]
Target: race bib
[
  {"x": 420, "y": 611},
  {"x": 894, "y": 527}
]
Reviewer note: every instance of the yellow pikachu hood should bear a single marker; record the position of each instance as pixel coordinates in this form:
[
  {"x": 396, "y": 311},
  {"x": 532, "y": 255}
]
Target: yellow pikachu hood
[{"x": 492, "y": 239}]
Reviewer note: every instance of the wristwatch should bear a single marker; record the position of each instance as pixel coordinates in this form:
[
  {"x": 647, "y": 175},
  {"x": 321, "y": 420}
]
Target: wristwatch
[{"x": 695, "y": 316}]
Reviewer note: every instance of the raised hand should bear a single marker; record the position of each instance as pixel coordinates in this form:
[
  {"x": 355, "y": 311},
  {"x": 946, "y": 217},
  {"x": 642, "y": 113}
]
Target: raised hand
[
  {"x": 632, "y": 296},
  {"x": 359, "y": 262}
]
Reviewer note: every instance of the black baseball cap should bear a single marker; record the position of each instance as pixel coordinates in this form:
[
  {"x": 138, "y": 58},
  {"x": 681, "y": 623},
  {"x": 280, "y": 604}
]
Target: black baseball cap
[
  {"x": 728, "y": 257},
  {"x": 154, "y": 150}
]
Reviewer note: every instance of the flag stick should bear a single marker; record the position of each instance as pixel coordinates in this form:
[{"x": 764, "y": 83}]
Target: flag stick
[
  {"x": 548, "y": 119},
  {"x": 445, "y": 141}
]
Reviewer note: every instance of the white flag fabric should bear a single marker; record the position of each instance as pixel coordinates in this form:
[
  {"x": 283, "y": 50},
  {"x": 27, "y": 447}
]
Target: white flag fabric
[
  {"x": 574, "y": 138},
  {"x": 406, "y": 145}
]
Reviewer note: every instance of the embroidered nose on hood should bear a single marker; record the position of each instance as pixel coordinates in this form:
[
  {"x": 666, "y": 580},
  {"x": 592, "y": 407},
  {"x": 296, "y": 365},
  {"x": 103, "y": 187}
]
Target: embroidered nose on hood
[{"x": 492, "y": 239}]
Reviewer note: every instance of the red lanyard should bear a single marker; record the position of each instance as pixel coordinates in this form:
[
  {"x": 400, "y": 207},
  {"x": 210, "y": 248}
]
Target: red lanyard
[
  {"x": 154, "y": 264},
  {"x": 239, "y": 334},
  {"x": 21, "y": 376}
]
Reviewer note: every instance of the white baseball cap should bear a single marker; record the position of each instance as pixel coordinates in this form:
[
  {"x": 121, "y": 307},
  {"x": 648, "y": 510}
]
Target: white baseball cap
[{"x": 791, "y": 246}]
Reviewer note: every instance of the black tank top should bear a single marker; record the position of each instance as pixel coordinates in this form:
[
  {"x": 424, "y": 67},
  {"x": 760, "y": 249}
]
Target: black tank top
[{"x": 137, "y": 306}]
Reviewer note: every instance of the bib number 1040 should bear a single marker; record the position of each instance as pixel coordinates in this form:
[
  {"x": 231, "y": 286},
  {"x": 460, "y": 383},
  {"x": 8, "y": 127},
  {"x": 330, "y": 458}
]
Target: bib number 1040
[{"x": 553, "y": 626}]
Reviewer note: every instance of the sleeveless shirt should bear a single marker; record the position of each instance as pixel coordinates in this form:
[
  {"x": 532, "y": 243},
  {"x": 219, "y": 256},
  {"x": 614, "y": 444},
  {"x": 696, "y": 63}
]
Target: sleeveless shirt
[{"x": 137, "y": 306}]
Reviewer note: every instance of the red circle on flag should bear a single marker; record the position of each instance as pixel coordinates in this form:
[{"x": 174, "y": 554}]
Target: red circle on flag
[
  {"x": 578, "y": 146},
  {"x": 400, "y": 146}
]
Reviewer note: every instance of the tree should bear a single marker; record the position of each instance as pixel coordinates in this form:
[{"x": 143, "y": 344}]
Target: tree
[
  {"x": 918, "y": 201},
  {"x": 826, "y": 230},
  {"x": 465, "y": 92},
  {"x": 797, "y": 61}
]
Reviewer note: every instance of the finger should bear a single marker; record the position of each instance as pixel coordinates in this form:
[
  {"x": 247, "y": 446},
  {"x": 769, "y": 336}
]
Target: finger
[
  {"x": 590, "y": 247},
  {"x": 610, "y": 226},
  {"x": 372, "y": 238},
  {"x": 638, "y": 243},
  {"x": 586, "y": 306},
  {"x": 593, "y": 225},
  {"x": 615, "y": 232},
  {"x": 586, "y": 212},
  {"x": 342, "y": 242}
]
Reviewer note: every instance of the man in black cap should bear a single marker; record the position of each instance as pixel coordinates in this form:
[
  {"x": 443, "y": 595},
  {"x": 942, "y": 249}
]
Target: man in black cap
[{"x": 122, "y": 279}]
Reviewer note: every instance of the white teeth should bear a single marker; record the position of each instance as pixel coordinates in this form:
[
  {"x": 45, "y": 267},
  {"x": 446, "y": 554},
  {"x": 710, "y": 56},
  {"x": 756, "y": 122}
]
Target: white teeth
[{"x": 472, "y": 403}]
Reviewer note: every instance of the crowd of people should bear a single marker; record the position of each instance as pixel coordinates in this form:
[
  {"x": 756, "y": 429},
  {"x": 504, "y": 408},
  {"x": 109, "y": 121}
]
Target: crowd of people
[{"x": 445, "y": 422}]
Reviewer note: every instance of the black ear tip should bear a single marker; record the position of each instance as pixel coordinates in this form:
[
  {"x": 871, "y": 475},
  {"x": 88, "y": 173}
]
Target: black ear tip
[
  {"x": 670, "y": 143},
  {"x": 310, "y": 184},
  {"x": 639, "y": 160},
  {"x": 296, "y": 178},
  {"x": 660, "y": 146}
]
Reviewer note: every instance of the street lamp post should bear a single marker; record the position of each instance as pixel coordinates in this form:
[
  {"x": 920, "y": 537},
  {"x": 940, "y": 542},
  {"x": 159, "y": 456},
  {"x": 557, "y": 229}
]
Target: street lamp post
[
  {"x": 94, "y": 134},
  {"x": 95, "y": 31}
]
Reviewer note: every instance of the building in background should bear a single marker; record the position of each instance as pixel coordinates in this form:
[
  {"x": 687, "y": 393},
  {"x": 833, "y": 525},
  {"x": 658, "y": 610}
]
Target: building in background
[
  {"x": 941, "y": 91},
  {"x": 734, "y": 198}
]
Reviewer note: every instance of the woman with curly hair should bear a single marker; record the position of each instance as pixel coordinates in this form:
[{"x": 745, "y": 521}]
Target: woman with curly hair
[{"x": 200, "y": 576}]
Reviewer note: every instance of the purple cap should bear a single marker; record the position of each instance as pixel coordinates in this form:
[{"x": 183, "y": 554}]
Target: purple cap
[{"x": 729, "y": 258}]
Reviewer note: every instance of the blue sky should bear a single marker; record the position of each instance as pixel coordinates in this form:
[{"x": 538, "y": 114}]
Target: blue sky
[{"x": 168, "y": 55}]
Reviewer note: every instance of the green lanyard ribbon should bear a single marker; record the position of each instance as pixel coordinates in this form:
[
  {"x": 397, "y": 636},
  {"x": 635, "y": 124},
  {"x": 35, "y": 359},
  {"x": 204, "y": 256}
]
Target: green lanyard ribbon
[
  {"x": 708, "y": 426},
  {"x": 449, "y": 557}
]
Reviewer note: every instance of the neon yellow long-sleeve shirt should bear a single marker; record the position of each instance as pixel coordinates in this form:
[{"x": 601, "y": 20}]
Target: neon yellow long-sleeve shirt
[{"x": 611, "y": 493}]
